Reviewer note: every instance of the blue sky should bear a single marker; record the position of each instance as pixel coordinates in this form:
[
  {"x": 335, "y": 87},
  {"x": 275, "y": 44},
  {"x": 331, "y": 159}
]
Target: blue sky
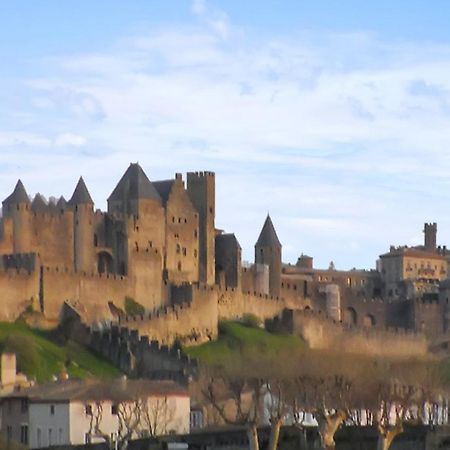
[{"x": 332, "y": 115}]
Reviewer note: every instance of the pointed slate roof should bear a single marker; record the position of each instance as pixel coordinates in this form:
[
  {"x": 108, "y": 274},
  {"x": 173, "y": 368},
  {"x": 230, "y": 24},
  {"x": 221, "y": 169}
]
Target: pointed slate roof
[
  {"x": 19, "y": 195},
  {"x": 268, "y": 236},
  {"x": 134, "y": 185},
  {"x": 39, "y": 204},
  {"x": 81, "y": 194},
  {"x": 62, "y": 203},
  {"x": 164, "y": 187}
]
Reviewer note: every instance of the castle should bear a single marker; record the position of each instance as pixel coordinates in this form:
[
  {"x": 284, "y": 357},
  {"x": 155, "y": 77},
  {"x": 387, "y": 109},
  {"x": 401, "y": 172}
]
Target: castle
[{"x": 157, "y": 244}]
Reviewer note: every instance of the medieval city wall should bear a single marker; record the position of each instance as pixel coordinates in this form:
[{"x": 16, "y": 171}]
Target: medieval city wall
[
  {"x": 18, "y": 289},
  {"x": 323, "y": 333},
  {"x": 89, "y": 292},
  {"x": 193, "y": 322},
  {"x": 52, "y": 237},
  {"x": 145, "y": 284},
  {"x": 233, "y": 304}
]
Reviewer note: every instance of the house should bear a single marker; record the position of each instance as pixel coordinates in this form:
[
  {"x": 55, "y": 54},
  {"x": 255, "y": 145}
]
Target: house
[{"x": 71, "y": 412}]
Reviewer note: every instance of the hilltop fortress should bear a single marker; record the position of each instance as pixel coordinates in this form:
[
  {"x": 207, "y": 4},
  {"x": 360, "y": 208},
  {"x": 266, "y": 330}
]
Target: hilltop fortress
[{"x": 157, "y": 244}]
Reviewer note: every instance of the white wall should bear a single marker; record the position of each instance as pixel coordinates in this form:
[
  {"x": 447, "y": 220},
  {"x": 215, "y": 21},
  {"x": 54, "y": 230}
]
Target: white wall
[
  {"x": 42, "y": 419},
  {"x": 80, "y": 421}
]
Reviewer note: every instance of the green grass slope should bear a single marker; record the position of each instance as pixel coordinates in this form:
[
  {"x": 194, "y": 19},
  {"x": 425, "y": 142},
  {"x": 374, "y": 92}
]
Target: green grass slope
[
  {"x": 40, "y": 357},
  {"x": 237, "y": 340}
]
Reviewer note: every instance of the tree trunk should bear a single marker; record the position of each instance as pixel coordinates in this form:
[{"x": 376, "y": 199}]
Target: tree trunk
[
  {"x": 385, "y": 438},
  {"x": 328, "y": 425},
  {"x": 252, "y": 434},
  {"x": 274, "y": 435}
]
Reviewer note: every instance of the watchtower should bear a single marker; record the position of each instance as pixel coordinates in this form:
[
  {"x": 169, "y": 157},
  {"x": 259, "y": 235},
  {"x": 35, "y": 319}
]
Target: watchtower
[
  {"x": 430, "y": 231},
  {"x": 17, "y": 207},
  {"x": 201, "y": 191},
  {"x": 83, "y": 212},
  {"x": 268, "y": 252}
]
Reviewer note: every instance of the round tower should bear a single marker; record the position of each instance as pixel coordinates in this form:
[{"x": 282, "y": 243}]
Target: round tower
[
  {"x": 268, "y": 252},
  {"x": 83, "y": 226},
  {"x": 17, "y": 207}
]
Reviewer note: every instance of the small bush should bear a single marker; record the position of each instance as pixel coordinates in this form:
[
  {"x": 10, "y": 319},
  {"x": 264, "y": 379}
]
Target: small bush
[
  {"x": 25, "y": 350},
  {"x": 251, "y": 321},
  {"x": 133, "y": 308}
]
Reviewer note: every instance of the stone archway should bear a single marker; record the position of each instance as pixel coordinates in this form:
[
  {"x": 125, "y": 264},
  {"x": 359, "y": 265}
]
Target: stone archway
[
  {"x": 104, "y": 263},
  {"x": 369, "y": 321},
  {"x": 350, "y": 317}
]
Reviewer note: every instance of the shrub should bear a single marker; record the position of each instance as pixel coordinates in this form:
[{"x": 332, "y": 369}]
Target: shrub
[
  {"x": 251, "y": 321},
  {"x": 25, "y": 349},
  {"x": 133, "y": 308}
]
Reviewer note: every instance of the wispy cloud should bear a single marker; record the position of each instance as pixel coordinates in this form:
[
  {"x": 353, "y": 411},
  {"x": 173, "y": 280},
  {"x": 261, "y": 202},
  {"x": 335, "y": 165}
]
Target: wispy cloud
[{"x": 343, "y": 137}]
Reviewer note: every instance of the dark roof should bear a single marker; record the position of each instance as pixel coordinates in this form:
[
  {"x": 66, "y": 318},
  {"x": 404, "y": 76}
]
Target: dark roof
[
  {"x": 268, "y": 236},
  {"x": 19, "y": 195},
  {"x": 91, "y": 390},
  {"x": 39, "y": 204},
  {"x": 164, "y": 187},
  {"x": 81, "y": 194},
  {"x": 134, "y": 184},
  {"x": 227, "y": 239},
  {"x": 62, "y": 203}
]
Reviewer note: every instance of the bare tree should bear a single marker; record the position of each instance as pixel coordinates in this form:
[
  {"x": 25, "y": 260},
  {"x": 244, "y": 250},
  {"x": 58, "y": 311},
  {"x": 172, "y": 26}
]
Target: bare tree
[
  {"x": 128, "y": 421},
  {"x": 236, "y": 397},
  {"x": 156, "y": 416}
]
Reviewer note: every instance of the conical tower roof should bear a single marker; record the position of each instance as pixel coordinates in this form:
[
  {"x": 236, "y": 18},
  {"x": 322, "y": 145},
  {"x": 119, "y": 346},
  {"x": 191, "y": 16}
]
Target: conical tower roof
[
  {"x": 62, "y": 203},
  {"x": 268, "y": 236},
  {"x": 134, "y": 185},
  {"x": 38, "y": 204},
  {"x": 81, "y": 194},
  {"x": 19, "y": 195}
]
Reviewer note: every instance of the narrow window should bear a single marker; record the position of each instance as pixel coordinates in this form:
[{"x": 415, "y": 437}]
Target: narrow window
[
  {"x": 52, "y": 410},
  {"x": 24, "y": 434}
]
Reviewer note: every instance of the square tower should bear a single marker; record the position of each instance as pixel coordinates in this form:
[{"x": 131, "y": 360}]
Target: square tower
[{"x": 201, "y": 190}]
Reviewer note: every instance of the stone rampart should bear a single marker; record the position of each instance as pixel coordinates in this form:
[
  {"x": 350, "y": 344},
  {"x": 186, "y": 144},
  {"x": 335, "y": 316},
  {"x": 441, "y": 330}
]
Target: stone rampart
[
  {"x": 233, "y": 304},
  {"x": 137, "y": 356},
  {"x": 195, "y": 321},
  {"x": 323, "y": 333},
  {"x": 19, "y": 288}
]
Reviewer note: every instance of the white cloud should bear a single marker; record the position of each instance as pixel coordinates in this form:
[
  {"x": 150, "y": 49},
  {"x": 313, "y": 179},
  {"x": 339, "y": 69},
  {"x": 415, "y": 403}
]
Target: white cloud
[
  {"x": 70, "y": 139},
  {"x": 344, "y": 138}
]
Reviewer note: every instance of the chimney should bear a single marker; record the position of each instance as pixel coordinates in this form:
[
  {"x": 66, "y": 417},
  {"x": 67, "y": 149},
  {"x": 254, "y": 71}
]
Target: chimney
[{"x": 8, "y": 368}]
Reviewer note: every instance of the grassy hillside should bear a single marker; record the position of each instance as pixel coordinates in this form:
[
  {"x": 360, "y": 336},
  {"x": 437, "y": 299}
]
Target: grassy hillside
[
  {"x": 237, "y": 340},
  {"x": 40, "y": 357}
]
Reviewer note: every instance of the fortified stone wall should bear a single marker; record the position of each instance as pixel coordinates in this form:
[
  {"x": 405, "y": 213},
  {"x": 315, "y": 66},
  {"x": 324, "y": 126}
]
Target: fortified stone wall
[
  {"x": 323, "y": 333},
  {"x": 196, "y": 321},
  {"x": 233, "y": 304},
  {"x": 18, "y": 289},
  {"x": 89, "y": 292}
]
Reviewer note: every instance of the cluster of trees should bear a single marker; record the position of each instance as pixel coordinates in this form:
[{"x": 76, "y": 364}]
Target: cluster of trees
[
  {"x": 137, "y": 416},
  {"x": 334, "y": 389}
]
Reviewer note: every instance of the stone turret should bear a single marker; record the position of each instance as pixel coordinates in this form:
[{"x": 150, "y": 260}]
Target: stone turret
[
  {"x": 17, "y": 207},
  {"x": 430, "y": 231},
  {"x": 39, "y": 205},
  {"x": 83, "y": 212},
  {"x": 201, "y": 191},
  {"x": 268, "y": 252}
]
